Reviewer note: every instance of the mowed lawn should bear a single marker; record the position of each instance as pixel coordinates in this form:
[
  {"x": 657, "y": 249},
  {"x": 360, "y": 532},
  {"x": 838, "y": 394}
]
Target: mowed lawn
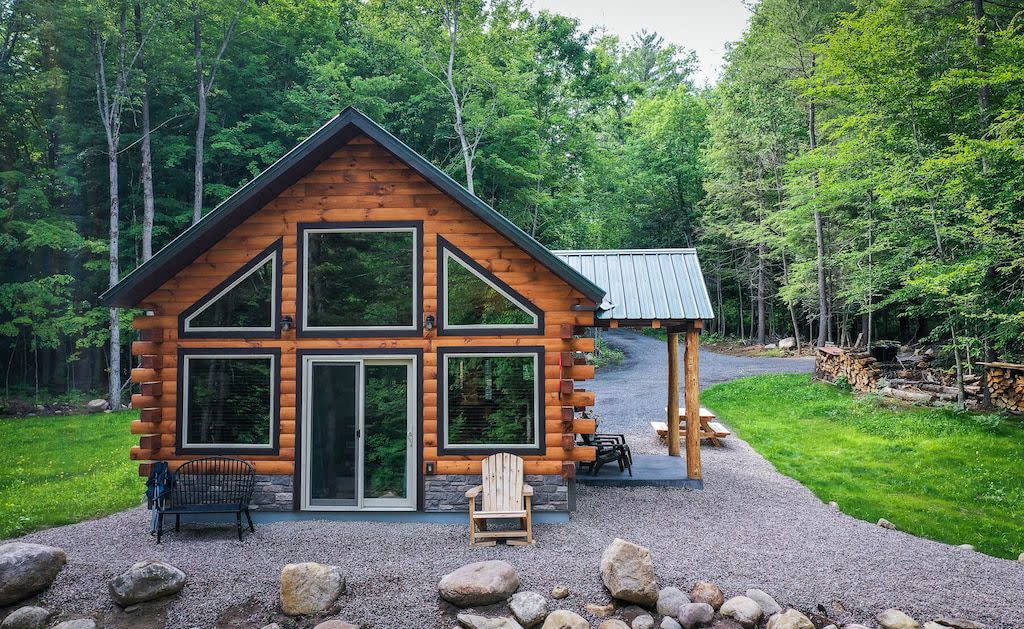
[
  {"x": 941, "y": 474},
  {"x": 59, "y": 470}
]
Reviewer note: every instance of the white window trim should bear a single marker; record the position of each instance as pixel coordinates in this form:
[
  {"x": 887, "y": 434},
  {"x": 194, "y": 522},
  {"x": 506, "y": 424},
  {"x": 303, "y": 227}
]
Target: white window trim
[
  {"x": 272, "y": 256},
  {"x": 538, "y": 391},
  {"x": 355, "y": 328},
  {"x": 448, "y": 255},
  {"x": 185, "y": 443}
]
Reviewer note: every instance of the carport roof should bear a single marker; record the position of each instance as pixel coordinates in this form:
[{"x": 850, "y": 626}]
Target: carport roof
[{"x": 644, "y": 285}]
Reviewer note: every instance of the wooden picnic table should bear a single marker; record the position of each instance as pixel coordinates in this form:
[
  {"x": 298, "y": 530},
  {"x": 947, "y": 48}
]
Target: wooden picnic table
[{"x": 711, "y": 430}]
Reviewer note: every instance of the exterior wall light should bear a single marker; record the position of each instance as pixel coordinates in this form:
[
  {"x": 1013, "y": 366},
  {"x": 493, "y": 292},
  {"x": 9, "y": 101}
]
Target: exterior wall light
[
  {"x": 430, "y": 322},
  {"x": 287, "y": 323}
]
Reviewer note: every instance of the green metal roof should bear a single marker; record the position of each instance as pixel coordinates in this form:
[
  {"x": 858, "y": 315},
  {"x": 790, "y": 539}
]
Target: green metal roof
[{"x": 248, "y": 199}]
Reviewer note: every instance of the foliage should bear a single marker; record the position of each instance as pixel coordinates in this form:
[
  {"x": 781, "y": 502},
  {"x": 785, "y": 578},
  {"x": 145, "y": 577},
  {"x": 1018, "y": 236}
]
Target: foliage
[{"x": 952, "y": 476}]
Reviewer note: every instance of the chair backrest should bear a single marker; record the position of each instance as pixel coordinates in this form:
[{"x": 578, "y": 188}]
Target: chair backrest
[
  {"x": 214, "y": 480},
  {"x": 502, "y": 480}
]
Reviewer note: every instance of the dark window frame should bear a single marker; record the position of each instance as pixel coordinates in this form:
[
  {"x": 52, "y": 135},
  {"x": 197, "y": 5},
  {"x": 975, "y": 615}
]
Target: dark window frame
[
  {"x": 301, "y": 330},
  {"x": 445, "y": 246},
  {"x": 276, "y": 249},
  {"x": 180, "y": 447},
  {"x": 540, "y": 448}
]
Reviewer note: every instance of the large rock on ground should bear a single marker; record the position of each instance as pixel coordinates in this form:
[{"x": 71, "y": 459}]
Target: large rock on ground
[
  {"x": 628, "y": 572},
  {"x": 695, "y": 615},
  {"x": 27, "y": 617},
  {"x": 958, "y": 623},
  {"x": 27, "y": 569},
  {"x": 704, "y": 592},
  {"x": 565, "y": 619},
  {"x": 743, "y": 610},
  {"x": 334, "y": 623},
  {"x": 613, "y": 623},
  {"x": 643, "y": 621},
  {"x": 77, "y": 623},
  {"x": 529, "y": 608},
  {"x": 790, "y": 619},
  {"x": 670, "y": 600},
  {"x": 895, "y": 619},
  {"x": 787, "y": 343},
  {"x": 767, "y": 603},
  {"x": 310, "y": 588},
  {"x": 472, "y": 621},
  {"x": 669, "y": 622},
  {"x": 145, "y": 581},
  {"x": 479, "y": 583},
  {"x": 96, "y": 406}
]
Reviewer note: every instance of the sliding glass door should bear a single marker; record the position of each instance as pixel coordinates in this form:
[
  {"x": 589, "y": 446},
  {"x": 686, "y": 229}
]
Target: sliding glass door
[{"x": 359, "y": 433}]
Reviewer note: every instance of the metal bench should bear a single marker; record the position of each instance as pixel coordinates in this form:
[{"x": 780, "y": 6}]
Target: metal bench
[{"x": 215, "y": 484}]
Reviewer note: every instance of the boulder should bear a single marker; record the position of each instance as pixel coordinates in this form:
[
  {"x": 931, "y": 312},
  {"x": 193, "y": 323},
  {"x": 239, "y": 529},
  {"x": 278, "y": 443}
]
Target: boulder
[
  {"x": 895, "y": 619},
  {"x": 336, "y": 624},
  {"x": 145, "y": 581},
  {"x": 27, "y": 569},
  {"x": 670, "y": 599},
  {"x": 472, "y": 621},
  {"x": 559, "y": 591},
  {"x": 1020, "y": 557},
  {"x": 743, "y": 610},
  {"x": 27, "y": 617},
  {"x": 704, "y": 592},
  {"x": 669, "y": 622},
  {"x": 789, "y": 619},
  {"x": 933, "y": 625},
  {"x": 529, "y": 608},
  {"x": 958, "y": 623},
  {"x": 628, "y": 572},
  {"x": 886, "y": 524},
  {"x": 613, "y": 623},
  {"x": 565, "y": 619},
  {"x": 479, "y": 583},
  {"x": 77, "y": 623},
  {"x": 643, "y": 621},
  {"x": 96, "y": 406},
  {"x": 787, "y": 343},
  {"x": 695, "y": 615},
  {"x": 771, "y": 346},
  {"x": 767, "y": 603},
  {"x": 310, "y": 588}
]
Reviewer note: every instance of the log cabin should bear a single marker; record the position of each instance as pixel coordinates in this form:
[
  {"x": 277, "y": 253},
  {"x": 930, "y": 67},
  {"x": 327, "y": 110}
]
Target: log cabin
[{"x": 364, "y": 331}]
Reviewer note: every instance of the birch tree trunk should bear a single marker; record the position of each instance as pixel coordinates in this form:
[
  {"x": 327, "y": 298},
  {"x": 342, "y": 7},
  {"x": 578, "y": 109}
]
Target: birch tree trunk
[{"x": 148, "y": 205}]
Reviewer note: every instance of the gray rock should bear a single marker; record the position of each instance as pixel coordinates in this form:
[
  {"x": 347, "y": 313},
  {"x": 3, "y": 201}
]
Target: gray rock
[
  {"x": 272, "y": 625},
  {"x": 628, "y": 572},
  {"x": 670, "y": 599},
  {"x": 643, "y": 621},
  {"x": 787, "y": 343},
  {"x": 145, "y": 581},
  {"x": 669, "y": 622},
  {"x": 479, "y": 583},
  {"x": 770, "y": 346},
  {"x": 966, "y": 546},
  {"x": 27, "y": 617},
  {"x": 833, "y": 505},
  {"x": 1020, "y": 557},
  {"x": 767, "y": 603},
  {"x": 743, "y": 610},
  {"x": 559, "y": 591},
  {"x": 310, "y": 588},
  {"x": 598, "y": 610},
  {"x": 77, "y": 623},
  {"x": 472, "y": 621},
  {"x": 529, "y": 608},
  {"x": 704, "y": 592},
  {"x": 726, "y": 623},
  {"x": 613, "y": 623},
  {"x": 336, "y": 624},
  {"x": 96, "y": 406},
  {"x": 855, "y": 626},
  {"x": 695, "y": 615},
  {"x": 886, "y": 524},
  {"x": 789, "y": 619},
  {"x": 933, "y": 625},
  {"x": 565, "y": 619},
  {"x": 895, "y": 619},
  {"x": 27, "y": 569},
  {"x": 958, "y": 623}
]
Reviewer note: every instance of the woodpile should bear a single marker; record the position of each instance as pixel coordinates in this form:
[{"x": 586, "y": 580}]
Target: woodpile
[
  {"x": 1005, "y": 382},
  {"x": 858, "y": 368}
]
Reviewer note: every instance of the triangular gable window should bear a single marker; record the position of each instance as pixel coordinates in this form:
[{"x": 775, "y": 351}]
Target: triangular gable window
[
  {"x": 474, "y": 300},
  {"x": 245, "y": 304}
]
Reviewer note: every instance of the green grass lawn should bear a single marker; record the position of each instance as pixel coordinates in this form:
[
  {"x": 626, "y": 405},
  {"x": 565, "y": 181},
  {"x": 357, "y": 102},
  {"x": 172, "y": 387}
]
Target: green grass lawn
[
  {"x": 59, "y": 470},
  {"x": 937, "y": 473}
]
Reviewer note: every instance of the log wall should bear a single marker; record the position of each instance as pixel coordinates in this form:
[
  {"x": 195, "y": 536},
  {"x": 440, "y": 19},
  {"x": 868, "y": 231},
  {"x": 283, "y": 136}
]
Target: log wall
[{"x": 364, "y": 182}]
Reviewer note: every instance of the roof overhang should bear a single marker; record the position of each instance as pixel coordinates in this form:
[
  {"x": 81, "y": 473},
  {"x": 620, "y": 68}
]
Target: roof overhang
[{"x": 285, "y": 172}]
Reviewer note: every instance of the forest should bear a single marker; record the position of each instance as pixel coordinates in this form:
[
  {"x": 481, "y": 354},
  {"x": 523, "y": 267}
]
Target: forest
[{"x": 856, "y": 174}]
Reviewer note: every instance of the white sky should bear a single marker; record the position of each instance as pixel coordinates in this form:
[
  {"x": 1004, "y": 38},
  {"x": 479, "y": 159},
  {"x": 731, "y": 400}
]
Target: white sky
[{"x": 701, "y": 25}]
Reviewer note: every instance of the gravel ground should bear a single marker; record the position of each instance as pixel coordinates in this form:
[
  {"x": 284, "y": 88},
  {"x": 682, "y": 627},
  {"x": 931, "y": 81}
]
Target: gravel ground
[{"x": 749, "y": 527}]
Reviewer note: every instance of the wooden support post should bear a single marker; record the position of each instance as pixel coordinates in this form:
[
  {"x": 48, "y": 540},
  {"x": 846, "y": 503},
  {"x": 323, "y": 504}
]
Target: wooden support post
[
  {"x": 673, "y": 394},
  {"x": 692, "y": 376}
]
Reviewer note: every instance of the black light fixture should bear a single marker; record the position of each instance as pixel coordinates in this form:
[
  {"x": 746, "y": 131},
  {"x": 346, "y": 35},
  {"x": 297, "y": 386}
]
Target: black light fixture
[
  {"x": 287, "y": 323},
  {"x": 430, "y": 322}
]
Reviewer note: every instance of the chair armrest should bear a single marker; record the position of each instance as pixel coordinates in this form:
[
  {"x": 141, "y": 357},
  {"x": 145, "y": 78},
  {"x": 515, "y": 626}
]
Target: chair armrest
[
  {"x": 474, "y": 492},
  {"x": 527, "y": 490}
]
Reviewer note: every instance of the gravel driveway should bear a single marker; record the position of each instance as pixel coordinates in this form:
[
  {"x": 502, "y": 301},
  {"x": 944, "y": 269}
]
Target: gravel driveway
[{"x": 749, "y": 527}]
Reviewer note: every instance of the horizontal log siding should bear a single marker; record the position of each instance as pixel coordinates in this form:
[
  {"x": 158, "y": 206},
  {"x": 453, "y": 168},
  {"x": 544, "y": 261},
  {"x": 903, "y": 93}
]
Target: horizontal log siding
[{"x": 363, "y": 182}]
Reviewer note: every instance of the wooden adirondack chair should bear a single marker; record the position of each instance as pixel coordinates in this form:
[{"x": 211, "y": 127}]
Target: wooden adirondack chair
[{"x": 505, "y": 496}]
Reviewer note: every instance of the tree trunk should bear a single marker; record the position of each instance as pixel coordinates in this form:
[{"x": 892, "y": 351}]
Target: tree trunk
[
  {"x": 819, "y": 237},
  {"x": 115, "y": 320},
  {"x": 760, "y": 295},
  {"x": 197, "y": 43},
  {"x": 148, "y": 205}
]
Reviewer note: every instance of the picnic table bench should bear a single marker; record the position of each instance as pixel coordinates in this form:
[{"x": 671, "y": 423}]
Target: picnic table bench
[{"x": 710, "y": 429}]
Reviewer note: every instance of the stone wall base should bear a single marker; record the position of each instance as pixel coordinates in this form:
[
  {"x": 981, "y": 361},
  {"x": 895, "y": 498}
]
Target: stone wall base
[
  {"x": 447, "y": 492},
  {"x": 273, "y": 493}
]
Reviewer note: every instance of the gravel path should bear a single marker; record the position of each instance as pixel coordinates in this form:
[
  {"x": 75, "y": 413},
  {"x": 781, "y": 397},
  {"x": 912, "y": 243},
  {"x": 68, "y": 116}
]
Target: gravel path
[{"x": 750, "y": 527}]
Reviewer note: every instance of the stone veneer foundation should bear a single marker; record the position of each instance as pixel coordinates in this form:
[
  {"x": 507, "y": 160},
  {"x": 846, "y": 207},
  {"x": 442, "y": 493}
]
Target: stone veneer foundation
[
  {"x": 273, "y": 493},
  {"x": 447, "y": 492}
]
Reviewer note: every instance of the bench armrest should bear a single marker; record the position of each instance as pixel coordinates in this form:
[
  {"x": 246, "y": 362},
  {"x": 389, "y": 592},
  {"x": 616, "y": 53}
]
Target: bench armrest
[
  {"x": 527, "y": 490},
  {"x": 474, "y": 492}
]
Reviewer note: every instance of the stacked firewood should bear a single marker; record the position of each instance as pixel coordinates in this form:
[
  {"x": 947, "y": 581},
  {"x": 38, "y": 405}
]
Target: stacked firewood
[
  {"x": 858, "y": 368},
  {"x": 1006, "y": 385}
]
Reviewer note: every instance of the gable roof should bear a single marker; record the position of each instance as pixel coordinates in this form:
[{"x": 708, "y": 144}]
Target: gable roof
[
  {"x": 646, "y": 284},
  {"x": 286, "y": 171}
]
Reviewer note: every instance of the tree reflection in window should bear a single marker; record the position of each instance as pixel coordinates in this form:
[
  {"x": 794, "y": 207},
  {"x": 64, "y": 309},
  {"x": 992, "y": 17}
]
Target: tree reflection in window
[
  {"x": 248, "y": 304},
  {"x": 491, "y": 400},
  {"x": 229, "y": 401},
  {"x": 386, "y": 403},
  {"x": 472, "y": 301}
]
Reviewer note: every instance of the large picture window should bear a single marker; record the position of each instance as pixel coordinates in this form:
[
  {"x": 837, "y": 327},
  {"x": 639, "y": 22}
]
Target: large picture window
[
  {"x": 229, "y": 401},
  {"x": 492, "y": 400},
  {"x": 361, "y": 279}
]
